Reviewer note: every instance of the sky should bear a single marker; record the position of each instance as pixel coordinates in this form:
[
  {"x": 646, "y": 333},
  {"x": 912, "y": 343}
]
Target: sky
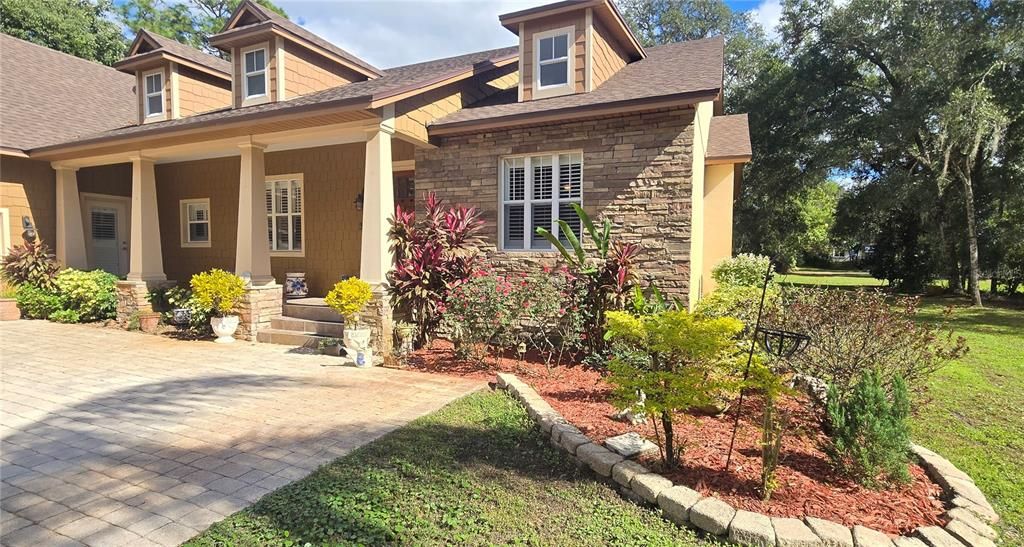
[{"x": 388, "y": 33}]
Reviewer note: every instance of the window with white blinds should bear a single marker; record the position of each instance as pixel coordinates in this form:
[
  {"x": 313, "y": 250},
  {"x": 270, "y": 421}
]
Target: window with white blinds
[
  {"x": 284, "y": 214},
  {"x": 536, "y": 192},
  {"x": 195, "y": 222}
]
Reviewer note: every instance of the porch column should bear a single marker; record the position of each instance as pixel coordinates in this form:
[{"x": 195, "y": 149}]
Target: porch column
[
  {"x": 147, "y": 261},
  {"x": 375, "y": 257},
  {"x": 252, "y": 251},
  {"x": 70, "y": 244}
]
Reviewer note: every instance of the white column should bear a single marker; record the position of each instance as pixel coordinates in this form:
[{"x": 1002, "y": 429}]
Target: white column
[
  {"x": 375, "y": 257},
  {"x": 147, "y": 261},
  {"x": 70, "y": 236},
  {"x": 252, "y": 253}
]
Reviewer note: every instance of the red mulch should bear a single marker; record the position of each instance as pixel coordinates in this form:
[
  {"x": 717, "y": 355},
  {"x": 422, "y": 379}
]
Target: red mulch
[{"x": 807, "y": 484}]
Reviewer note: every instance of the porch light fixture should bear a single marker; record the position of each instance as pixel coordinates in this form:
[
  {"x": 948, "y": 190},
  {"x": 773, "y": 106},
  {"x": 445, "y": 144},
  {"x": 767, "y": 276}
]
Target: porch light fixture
[
  {"x": 358, "y": 202},
  {"x": 29, "y": 235}
]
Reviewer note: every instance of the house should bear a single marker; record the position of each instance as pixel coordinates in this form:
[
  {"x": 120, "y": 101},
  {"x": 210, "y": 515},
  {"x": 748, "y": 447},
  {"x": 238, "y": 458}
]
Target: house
[{"x": 292, "y": 155}]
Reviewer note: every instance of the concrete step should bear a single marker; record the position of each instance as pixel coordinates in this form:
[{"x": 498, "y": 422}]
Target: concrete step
[
  {"x": 290, "y": 338},
  {"x": 324, "y": 328},
  {"x": 310, "y": 312}
]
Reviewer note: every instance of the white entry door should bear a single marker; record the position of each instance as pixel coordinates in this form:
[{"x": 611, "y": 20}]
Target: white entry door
[{"x": 106, "y": 233}]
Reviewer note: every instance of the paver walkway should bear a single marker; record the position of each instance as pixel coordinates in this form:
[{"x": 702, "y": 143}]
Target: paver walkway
[{"x": 118, "y": 438}]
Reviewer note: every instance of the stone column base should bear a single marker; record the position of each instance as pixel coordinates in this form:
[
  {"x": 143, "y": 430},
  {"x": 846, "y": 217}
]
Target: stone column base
[
  {"x": 258, "y": 306},
  {"x": 133, "y": 297},
  {"x": 377, "y": 315}
]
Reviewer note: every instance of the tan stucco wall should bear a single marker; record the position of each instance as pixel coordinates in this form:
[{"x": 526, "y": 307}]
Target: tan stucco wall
[
  {"x": 701, "y": 126},
  {"x": 414, "y": 114},
  {"x": 198, "y": 92},
  {"x": 307, "y": 72},
  {"x": 578, "y": 20},
  {"x": 333, "y": 177},
  {"x": 718, "y": 200},
  {"x": 607, "y": 56},
  {"x": 28, "y": 188}
]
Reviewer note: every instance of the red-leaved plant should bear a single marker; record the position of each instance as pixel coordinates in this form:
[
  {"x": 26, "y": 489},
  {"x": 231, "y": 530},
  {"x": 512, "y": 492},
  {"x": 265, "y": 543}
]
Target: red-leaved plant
[{"x": 433, "y": 255}]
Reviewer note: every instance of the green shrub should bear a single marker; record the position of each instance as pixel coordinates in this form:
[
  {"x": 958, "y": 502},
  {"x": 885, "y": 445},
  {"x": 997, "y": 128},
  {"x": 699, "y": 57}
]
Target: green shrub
[
  {"x": 217, "y": 291},
  {"x": 348, "y": 298},
  {"x": 92, "y": 294},
  {"x": 66, "y": 316},
  {"x": 680, "y": 361},
  {"x": 746, "y": 270},
  {"x": 870, "y": 438},
  {"x": 739, "y": 301},
  {"x": 482, "y": 314},
  {"x": 36, "y": 303},
  {"x": 29, "y": 264}
]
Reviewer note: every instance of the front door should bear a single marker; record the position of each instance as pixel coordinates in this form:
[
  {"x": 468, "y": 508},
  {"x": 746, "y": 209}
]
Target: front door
[{"x": 106, "y": 234}]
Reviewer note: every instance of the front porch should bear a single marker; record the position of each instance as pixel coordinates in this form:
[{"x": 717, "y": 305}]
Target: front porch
[{"x": 313, "y": 200}]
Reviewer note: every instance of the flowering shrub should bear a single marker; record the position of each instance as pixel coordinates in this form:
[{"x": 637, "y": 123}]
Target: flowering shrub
[
  {"x": 92, "y": 295},
  {"x": 482, "y": 314},
  {"x": 348, "y": 298},
  {"x": 553, "y": 318},
  {"x": 433, "y": 256},
  {"x": 745, "y": 270},
  {"x": 217, "y": 292}
]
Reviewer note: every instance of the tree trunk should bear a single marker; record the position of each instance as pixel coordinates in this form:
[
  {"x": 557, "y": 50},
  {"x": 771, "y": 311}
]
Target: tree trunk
[
  {"x": 952, "y": 264},
  {"x": 670, "y": 450},
  {"x": 972, "y": 239}
]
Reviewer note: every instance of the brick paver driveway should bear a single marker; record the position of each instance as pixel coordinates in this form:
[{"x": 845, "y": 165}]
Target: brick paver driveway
[{"x": 117, "y": 438}]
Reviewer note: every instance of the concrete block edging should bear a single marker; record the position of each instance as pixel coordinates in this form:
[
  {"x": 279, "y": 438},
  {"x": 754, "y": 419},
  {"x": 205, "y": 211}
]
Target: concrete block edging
[{"x": 969, "y": 513}]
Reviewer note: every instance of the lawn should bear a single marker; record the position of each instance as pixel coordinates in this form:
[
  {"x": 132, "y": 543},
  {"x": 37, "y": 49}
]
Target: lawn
[
  {"x": 974, "y": 414},
  {"x": 476, "y": 472}
]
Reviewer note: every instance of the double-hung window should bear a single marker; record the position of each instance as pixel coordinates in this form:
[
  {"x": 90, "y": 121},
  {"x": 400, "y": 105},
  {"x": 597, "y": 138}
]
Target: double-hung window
[
  {"x": 536, "y": 192},
  {"x": 284, "y": 214},
  {"x": 254, "y": 75},
  {"x": 154, "y": 82},
  {"x": 195, "y": 223},
  {"x": 553, "y": 60}
]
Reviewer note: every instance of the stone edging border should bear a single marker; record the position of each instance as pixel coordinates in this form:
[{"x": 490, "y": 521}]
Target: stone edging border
[{"x": 970, "y": 514}]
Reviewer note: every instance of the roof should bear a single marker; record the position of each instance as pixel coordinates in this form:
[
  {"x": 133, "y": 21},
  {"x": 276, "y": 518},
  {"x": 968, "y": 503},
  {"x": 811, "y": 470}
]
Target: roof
[
  {"x": 70, "y": 98},
  {"x": 272, "y": 18},
  {"x": 162, "y": 44},
  {"x": 684, "y": 69},
  {"x": 394, "y": 81},
  {"x": 729, "y": 138}
]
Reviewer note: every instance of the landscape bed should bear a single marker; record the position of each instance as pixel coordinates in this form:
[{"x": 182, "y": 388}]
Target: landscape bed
[{"x": 808, "y": 485}]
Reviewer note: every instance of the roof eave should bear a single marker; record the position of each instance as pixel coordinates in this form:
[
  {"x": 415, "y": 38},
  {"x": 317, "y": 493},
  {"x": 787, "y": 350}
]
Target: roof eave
[
  {"x": 728, "y": 159},
  {"x": 130, "y": 64},
  {"x": 573, "y": 112},
  {"x": 444, "y": 79}
]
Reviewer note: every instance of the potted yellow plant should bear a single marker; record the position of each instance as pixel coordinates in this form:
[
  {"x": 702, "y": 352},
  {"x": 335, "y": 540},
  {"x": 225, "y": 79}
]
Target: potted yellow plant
[
  {"x": 218, "y": 292},
  {"x": 348, "y": 298}
]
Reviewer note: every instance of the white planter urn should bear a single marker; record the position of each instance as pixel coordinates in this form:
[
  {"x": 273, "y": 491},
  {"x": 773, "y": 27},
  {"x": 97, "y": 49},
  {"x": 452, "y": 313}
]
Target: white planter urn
[
  {"x": 357, "y": 345},
  {"x": 224, "y": 328}
]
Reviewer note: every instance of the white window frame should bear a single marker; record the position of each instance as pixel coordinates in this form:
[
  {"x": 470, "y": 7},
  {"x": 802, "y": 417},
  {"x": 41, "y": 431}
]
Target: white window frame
[
  {"x": 5, "y": 231},
  {"x": 153, "y": 116},
  {"x": 272, "y": 179},
  {"x": 541, "y": 91},
  {"x": 262, "y": 97},
  {"x": 186, "y": 240},
  {"x": 529, "y": 201}
]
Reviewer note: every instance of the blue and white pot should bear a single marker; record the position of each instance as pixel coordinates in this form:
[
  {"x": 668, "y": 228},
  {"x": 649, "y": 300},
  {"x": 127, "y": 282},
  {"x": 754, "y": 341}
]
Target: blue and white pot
[{"x": 295, "y": 285}]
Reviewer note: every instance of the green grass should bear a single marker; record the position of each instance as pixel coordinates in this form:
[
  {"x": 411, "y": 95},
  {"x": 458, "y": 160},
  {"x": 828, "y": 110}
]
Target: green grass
[
  {"x": 476, "y": 472},
  {"x": 974, "y": 412}
]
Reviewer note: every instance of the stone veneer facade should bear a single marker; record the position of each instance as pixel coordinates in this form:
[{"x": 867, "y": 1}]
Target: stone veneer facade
[
  {"x": 637, "y": 171},
  {"x": 258, "y": 306}
]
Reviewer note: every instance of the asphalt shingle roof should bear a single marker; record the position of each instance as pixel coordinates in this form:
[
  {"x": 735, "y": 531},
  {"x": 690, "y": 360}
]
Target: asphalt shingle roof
[
  {"x": 729, "y": 137},
  {"x": 48, "y": 97},
  {"x": 673, "y": 69},
  {"x": 176, "y": 48}
]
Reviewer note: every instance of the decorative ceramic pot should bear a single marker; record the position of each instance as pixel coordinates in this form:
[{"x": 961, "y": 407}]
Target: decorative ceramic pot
[
  {"x": 9, "y": 310},
  {"x": 295, "y": 285},
  {"x": 149, "y": 321},
  {"x": 224, "y": 328},
  {"x": 181, "y": 316},
  {"x": 357, "y": 345}
]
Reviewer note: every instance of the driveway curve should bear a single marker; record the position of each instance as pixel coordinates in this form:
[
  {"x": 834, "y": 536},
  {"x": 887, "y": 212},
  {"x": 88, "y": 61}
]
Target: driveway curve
[{"x": 116, "y": 438}]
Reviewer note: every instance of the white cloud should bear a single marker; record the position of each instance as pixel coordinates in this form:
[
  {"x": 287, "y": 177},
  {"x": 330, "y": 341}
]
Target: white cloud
[
  {"x": 392, "y": 33},
  {"x": 768, "y": 13}
]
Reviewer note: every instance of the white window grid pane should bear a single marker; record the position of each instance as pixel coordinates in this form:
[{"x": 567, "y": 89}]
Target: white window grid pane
[
  {"x": 284, "y": 215},
  {"x": 542, "y": 206},
  {"x": 553, "y": 53}
]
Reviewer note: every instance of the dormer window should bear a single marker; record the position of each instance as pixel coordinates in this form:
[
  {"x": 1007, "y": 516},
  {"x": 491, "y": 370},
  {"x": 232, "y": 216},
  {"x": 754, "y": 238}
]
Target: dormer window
[
  {"x": 554, "y": 62},
  {"x": 155, "y": 94},
  {"x": 254, "y": 78}
]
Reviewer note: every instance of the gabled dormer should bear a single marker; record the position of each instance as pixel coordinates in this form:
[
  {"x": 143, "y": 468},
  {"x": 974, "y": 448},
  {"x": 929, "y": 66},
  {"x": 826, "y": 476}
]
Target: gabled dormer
[
  {"x": 175, "y": 80},
  {"x": 274, "y": 59},
  {"x": 570, "y": 47}
]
